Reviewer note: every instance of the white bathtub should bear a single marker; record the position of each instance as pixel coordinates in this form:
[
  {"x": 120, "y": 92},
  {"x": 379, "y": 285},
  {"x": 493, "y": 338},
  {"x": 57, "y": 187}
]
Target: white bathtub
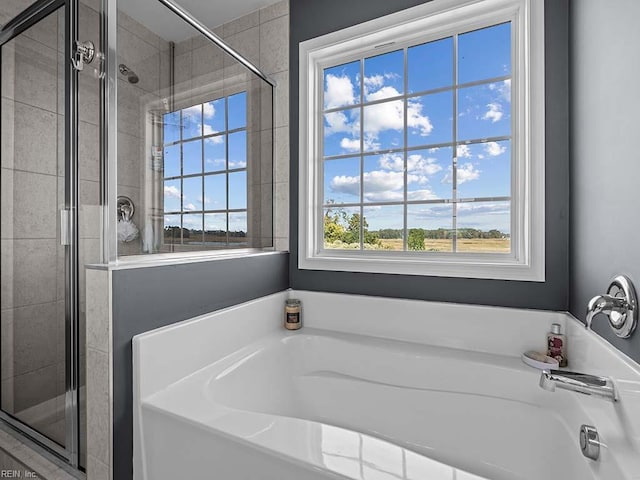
[{"x": 232, "y": 395}]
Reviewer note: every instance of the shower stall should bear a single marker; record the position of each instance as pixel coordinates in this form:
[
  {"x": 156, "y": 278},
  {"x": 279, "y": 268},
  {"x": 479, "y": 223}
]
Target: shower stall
[{"x": 128, "y": 128}]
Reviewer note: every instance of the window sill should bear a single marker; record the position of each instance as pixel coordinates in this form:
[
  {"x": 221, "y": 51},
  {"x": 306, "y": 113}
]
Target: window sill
[
  {"x": 163, "y": 259},
  {"x": 480, "y": 267}
]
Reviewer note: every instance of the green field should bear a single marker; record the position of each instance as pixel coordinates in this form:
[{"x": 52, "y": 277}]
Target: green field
[{"x": 475, "y": 245}]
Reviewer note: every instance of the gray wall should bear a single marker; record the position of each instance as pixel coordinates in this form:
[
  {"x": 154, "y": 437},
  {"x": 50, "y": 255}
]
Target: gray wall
[
  {"x": 148, "y": 298},
  {"x": 605, "y": 163},
  {"x": 311, "y": 18}
]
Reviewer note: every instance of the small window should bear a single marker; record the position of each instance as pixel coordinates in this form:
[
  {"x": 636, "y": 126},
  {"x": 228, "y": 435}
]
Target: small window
[
  {"x": 205, "y": 174},
  {"x": 426, "y": 155}
]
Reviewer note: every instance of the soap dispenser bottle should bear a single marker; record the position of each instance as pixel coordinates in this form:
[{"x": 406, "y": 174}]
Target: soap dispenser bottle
[{"x": 557, "y": 344}]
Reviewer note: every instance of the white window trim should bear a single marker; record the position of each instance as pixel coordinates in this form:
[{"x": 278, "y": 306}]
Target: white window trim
[{"x": 440, "y": 18}]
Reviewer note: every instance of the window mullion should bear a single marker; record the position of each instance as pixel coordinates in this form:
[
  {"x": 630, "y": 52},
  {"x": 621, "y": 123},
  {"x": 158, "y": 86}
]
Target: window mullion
[
  {"x": 362, "y": 83},
  {"x": 454, "y": 166},
  {"x": 405, "y": 229}
]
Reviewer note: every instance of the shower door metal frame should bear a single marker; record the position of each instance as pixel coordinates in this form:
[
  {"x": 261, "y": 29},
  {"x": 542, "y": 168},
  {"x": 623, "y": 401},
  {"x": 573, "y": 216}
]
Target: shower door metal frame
[{"x": 23, "y": 21}]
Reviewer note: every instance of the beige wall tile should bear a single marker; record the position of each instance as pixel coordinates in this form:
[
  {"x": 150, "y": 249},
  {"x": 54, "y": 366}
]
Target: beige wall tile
[
  {"x": 241, "y": 24},
  {"x": 97, "y": 318},
  {"x": 282, "y": 158},
  {"x": 274, "y": 11},
  {"x": 33, "y": 388},
  {"x": 247, "y": 43},
  {"x": 6, "y": 204},
  {"x": 274, "y": 45},
  {"x": 34, "y": 205},
  {"x": 36, "y": 74},
  {"x": 282, "y": 210},
  {"x": 35, "y": 140},
  {"x": 35, "y": 330},
  {"x": 98, "y": 406},
  {"x": 32, "y": 266}
]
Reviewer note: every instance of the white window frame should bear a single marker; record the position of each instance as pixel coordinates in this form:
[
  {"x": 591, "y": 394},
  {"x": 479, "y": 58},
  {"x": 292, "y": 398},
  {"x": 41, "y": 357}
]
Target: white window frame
[{"x": 439, "y": 18}]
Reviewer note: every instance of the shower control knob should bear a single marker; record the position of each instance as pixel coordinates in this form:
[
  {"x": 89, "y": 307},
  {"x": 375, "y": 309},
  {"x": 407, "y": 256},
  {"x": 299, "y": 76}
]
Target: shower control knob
[{"x": 589, "y": 442}]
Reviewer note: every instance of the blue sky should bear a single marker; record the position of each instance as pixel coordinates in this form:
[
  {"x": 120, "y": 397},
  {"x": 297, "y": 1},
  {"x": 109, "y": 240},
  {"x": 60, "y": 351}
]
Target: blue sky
[
  {"x": 483, "y": 111},
  {"x": 222, "y": 149}
]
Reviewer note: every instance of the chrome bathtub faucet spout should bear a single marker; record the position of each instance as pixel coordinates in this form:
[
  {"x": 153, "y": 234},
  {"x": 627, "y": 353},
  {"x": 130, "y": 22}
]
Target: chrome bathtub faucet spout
[{"x": 579, "y": 382}]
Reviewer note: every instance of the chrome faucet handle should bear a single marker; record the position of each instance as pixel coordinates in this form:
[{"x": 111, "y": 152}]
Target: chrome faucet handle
[{"x": 620, "y": 304}]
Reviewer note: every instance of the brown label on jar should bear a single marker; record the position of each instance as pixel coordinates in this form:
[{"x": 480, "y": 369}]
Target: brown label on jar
[{"x": 293, "y": 317}]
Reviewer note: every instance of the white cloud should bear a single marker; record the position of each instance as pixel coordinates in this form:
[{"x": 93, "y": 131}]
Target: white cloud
[
  {"x": 373, "y": 81},
  {"x": 338, "y": 122},
  {"x": 390, "y": 115},
  {"x": 494, "y": 112},
  {"x": 208, "y": 110},
  {"x": 424, "y": 194},
  {"x": 338, "y": 91},
  {"x": 351, "y": 144},
  {"x": 503, "y": 89},
  {"x": 173, "y": 192},
  {"x": 207, "y": 130},
  {"x": 465, "y": 173},
  {"x": 345, "y": 184},
  {"x": 217, "y": 161},
  {"x": 381, "y": 186},
  {"x": 190, "y": 206},
  {"x": 416, "y": 164},
  {"x": 239, "y": 164},
  {"x": 463, "y": 151},
  {"x": 494, "y": 149}
]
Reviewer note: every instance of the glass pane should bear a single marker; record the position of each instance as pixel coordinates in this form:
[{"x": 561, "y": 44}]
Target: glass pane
[
  {"x": 430, "y": 119},
  {"x": 484, "y": 170},
  {"x": 215, "y": 153},
  {"x": 213, "y": 117},
  {"x": 342, "y": 180},
  {"x": 485, "y": 53},
  {"x": 172, "y": 229},
  {"x": 172, "y": 196},
  {"x": 384, "y": 76},
  {"x": 192, "y": 194},
  {"x": 379, "y": 221},
  {"x": 484, "y": 227},
  {"x": 342, "y": 132},
  {"x": 192, "y": 122},
  {"x": 238, "y": 150},
  {"x": 237, "y": 111},
  {"x": 192, "y": 157},
  {"x": 215, "y": 229},
  {"x": 430, "y": 65},
  {"x": 436, "y": 225},
  {"x": 384, "y": 125},
  {"x": 192, "y": 228},
  {"x": 172, "y": 161},
  {"x": 215, "y": 192},
  {"x": 237, "y": 190},
  {"x": 342, "y": 85},
  {"x": 238, "y": 229},
  {"x": 342, "y": 228},
  {"x": 426, "y": 174},
  {"x": 484, "y": 111},
  {"x": 171, "y": 127},
  {"x": 34, "y": 273},
  {"x": 384, "y": 178}
]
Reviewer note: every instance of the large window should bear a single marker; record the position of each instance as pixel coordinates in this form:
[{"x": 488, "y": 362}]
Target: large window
[
  {"x": 205, "y": 174},
  {"x": 422, "y": 157}
]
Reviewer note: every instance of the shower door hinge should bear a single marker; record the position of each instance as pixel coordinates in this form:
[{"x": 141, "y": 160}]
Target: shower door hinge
[
  {"x": 65, "y": 226},
  {"x": 84, "y": 53}
]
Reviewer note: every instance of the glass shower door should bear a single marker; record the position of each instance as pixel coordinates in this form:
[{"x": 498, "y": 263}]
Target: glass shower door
[{"x": 39, "y": 327}]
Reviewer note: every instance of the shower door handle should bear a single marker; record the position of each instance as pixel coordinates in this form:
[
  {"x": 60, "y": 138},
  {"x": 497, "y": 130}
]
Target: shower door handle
[{"x": 65, "y": 227}]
